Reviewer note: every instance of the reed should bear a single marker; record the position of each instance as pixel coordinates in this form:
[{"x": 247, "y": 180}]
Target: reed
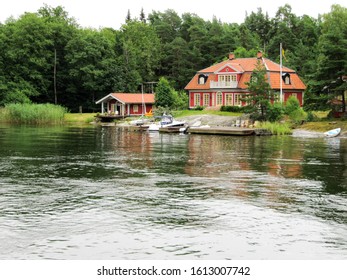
[
  {"x": 33, "y": 113},
  {"x": 276, "y": 128}
]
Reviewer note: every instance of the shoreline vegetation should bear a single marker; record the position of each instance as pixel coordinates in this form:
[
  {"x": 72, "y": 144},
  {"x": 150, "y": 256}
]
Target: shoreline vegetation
[
  {"x": 43, "y": 114},
  {"x": 37, "y": 114}
]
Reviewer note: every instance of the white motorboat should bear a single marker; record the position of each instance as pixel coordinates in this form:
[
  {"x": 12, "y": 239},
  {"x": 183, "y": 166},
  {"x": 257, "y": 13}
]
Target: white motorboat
[{"x": 166, "y": 121}]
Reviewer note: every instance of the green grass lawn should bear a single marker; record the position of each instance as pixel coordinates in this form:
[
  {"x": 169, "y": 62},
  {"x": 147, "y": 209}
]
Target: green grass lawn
[
  {"x": 323, "y": 126},
  {"x": 79, "y": 118}
]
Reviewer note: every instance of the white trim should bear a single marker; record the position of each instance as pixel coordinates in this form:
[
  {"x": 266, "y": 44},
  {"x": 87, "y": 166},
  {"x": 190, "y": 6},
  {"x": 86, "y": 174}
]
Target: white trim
[
  {"x": 219, "y": 93},
  {"x": 231, "y": 99},
  {"x": 107, "y": 97},
  {"x": 195, "y": 99}
]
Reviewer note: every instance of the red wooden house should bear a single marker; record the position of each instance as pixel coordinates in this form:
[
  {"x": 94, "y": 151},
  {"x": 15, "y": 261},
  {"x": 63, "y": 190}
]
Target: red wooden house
[
  {"x": 127, "y": 104},
  {"x": 224, "y": 83}
]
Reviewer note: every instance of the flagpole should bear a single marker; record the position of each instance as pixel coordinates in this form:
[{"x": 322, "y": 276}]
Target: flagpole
[{"x": 281, "y": 90}]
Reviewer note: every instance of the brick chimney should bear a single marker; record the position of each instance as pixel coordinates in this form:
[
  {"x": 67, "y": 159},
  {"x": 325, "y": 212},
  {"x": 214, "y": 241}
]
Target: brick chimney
[
  {"x": 259, "y": 55},
  {"x": 231, "y": 56}
]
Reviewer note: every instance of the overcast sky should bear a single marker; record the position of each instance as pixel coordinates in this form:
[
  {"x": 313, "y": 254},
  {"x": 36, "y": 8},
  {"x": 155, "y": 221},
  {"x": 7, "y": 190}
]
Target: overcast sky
[{"x": 112, "y": 13}]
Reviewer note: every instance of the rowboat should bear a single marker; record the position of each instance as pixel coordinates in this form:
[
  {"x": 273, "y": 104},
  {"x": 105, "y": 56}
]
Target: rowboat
[{"x": 333, "y": 132}]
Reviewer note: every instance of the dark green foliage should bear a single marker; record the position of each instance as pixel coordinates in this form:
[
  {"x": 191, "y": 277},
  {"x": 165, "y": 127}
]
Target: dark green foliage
[
  {"x": 260, "y": 93},
  {"x": 181, "y": 100},
  {"x": 47, "y": 57},
  {"x": 291, "y": 105},
  {"x": 235, "y": 109},
  {"x": 199, "y": 108},
  {"x": 164, "y": 96},
  {"x": 332, "y": 60},
  {"x": 275, "y": 112}
]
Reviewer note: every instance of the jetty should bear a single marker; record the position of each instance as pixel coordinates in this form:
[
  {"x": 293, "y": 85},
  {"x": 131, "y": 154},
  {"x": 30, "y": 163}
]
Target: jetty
[{"x": 237, "y": 131}]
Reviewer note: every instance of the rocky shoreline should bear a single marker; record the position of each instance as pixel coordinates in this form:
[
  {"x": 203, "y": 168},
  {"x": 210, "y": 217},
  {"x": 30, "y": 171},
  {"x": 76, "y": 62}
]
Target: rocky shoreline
[{"x": 228, "y": 121}]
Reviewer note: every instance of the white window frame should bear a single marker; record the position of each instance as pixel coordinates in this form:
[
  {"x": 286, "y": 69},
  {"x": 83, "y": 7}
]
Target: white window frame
[
  {"x": 227, "y": 78},
  {"x": 135, "y": 108},
  {"x": 237, "y": 99},
  {"x": 219, "y": 98},
  {"x": 197, "y": 99},
  {"x": 229, "y": 99},
  {"x": 206, "y": 99}
]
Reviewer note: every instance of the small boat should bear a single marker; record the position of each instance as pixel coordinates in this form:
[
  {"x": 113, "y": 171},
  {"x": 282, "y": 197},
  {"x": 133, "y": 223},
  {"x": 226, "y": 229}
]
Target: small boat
[
  {"x": 333, "y": 132},
  {"x": 166, "y": 121}
]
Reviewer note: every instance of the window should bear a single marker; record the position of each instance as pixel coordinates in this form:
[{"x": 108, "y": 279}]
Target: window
[
  {"x": 238, "y": 101},
  {"x": 295, "y": 95},
  {"x": 202, "y": 79},
  {"x": 136, "y": 108},
  {"x": 197, "y": 99},
  {"x": 286, "y": 78},
  {"x": 227, "y": 79},
  {"x": 219, "y": 99},
  {"x": 229, "y": 99},
  {"x": 206, "y": 99}
]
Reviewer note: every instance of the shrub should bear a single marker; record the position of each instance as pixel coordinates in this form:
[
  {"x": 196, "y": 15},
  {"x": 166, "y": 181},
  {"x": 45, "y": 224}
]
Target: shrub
[
  {"x": 275, "y": 112},
  {"x": 292, "y": 105},
  {"x": 298, "y": 116},
  {"x": 199, "y": 108},
  {"x": 235, "y": 109}
]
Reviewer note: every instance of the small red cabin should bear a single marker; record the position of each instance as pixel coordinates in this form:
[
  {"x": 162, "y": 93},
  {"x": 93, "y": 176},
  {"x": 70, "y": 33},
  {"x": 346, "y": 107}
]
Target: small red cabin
[{"x": 127, "y": 104}]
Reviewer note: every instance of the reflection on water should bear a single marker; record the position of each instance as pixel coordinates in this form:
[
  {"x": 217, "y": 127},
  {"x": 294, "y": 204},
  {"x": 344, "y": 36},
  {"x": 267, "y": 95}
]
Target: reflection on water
[{"x": 108, "y": 193}]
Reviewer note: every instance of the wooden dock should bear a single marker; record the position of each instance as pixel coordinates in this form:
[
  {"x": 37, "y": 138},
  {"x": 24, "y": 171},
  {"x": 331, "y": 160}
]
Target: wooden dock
[
  {"x": 109, "y": 118},
  {"x": 237, "y": 131},
  {"x": 173, "y": 129}
]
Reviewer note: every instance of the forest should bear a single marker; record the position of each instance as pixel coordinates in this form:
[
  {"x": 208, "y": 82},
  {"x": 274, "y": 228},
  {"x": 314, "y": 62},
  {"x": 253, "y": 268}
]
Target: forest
[{"x": 46, "y": 57}]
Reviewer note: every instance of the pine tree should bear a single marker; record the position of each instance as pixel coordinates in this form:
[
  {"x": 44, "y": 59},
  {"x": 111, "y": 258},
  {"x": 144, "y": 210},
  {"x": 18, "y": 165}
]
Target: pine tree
[
  {"x": 260, "y": 93},
  {"x": 142, "y": 16},
  {"x": 128, "y": 17}
]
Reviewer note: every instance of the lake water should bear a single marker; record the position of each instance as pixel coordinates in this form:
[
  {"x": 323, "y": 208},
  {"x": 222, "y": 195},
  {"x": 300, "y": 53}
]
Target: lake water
[{"x": 109, "y": 193}]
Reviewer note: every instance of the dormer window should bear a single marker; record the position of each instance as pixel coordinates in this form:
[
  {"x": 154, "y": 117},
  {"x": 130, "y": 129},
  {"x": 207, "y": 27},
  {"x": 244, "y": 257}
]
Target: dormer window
[
  {"x": 286, "y": 78},
  {"x": 202, "y": 79}
]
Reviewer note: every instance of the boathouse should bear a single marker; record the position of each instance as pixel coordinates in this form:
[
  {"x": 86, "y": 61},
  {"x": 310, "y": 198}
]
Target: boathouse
[
  {"x": 127, "y": 104},
  {"x": 225, "y": 82}
]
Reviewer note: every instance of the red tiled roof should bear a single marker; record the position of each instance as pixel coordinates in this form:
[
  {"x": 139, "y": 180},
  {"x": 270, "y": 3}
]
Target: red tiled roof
[
  {"x": 134, "y": 97},
  {"x": 246, "y": 66},
  {"x": 129, "y": 98},
  {"x": 295, "y": 82}
]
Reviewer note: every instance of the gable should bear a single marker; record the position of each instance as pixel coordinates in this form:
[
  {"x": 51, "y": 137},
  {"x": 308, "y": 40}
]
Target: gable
[{"x": 227, "y": 69}]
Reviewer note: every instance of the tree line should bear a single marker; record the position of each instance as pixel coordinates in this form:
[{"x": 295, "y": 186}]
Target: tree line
[{"x": 46, "y": 57}]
